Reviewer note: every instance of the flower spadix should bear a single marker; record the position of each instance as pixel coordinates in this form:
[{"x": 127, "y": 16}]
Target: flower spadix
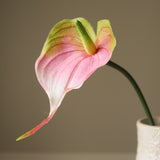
[
  {"x": 71, "y": 53},
  {"x": 87, "y": 41}
]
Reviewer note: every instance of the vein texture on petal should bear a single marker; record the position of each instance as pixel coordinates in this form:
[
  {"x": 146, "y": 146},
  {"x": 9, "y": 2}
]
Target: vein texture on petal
[
  {"x": 105, "y": 37},
  {"x": 64, "y": 64}
]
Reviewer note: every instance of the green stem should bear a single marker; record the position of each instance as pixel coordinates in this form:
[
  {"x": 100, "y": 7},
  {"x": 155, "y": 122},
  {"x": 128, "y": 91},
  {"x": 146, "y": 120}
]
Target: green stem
[{"x": 137, "y": 89}]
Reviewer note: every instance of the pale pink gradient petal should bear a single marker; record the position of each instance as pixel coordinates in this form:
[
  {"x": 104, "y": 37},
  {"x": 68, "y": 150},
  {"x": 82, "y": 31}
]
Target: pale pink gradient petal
[
  {"x": 87, "y": 66},
  {"x": 66, "y": 65},
  {"x": 55, "y": 75},
  {"x": 65, "y": 72}
]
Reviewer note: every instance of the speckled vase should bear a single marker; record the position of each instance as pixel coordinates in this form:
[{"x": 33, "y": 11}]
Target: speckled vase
[{"x": 148, "y": 147}]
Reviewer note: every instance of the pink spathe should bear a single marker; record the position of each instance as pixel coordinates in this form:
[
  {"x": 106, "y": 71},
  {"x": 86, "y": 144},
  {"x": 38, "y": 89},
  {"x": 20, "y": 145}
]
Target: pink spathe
[{"x": 64, "y": 63}]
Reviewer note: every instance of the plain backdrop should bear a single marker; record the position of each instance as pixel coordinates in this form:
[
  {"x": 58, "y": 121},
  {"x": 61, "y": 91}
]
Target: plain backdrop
[{"x": 101, "y": 115}]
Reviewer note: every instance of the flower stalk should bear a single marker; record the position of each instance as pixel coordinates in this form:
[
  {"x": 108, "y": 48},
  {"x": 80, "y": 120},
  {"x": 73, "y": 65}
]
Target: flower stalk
[{"x": 137, "y": 89}]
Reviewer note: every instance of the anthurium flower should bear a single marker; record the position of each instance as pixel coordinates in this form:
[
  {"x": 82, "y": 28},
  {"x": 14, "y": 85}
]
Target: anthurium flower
[{"x": 71, "y": 53}]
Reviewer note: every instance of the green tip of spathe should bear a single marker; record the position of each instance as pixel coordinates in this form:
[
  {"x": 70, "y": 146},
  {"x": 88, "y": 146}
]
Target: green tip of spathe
[
  {"x": 87, "y": 41},
  {"x": 18, "y": 139}
]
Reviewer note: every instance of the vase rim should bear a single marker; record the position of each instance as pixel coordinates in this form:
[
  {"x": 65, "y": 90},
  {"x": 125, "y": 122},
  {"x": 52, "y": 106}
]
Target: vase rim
[{"x": 144, "y": 122}]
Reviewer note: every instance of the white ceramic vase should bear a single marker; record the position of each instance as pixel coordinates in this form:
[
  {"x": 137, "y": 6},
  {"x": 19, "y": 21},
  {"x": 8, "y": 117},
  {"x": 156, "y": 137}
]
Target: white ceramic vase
[{"x": 148, "y": 145}]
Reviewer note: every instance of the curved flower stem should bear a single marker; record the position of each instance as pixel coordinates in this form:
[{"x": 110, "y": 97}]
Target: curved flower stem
[{"x": 137, "y": 89}]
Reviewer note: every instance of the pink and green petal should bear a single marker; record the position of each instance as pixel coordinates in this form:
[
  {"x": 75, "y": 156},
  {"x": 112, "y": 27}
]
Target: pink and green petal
[
  {"x": 65, "y": 34},
  {"x": 64, "y": 63},
  {"x": 105, "y": 37}
]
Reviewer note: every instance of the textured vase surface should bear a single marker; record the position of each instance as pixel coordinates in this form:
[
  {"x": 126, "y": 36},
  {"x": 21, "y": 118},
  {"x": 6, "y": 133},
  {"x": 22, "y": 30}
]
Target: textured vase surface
[{"x": 148, "y": 137}]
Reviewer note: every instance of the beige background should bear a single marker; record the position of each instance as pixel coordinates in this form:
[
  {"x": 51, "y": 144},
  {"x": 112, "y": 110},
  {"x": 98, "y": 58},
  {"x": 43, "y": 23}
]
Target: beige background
[{"x": 100, "y": 116}]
